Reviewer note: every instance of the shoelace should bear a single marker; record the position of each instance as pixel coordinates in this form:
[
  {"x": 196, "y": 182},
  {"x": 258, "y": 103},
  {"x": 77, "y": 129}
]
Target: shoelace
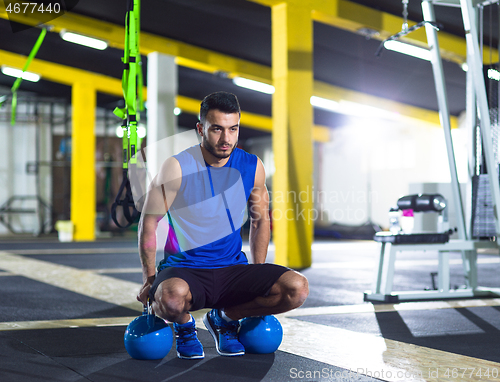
[
  {"x": 185, "y": 335},
  {"x": 229, "y": 330}
]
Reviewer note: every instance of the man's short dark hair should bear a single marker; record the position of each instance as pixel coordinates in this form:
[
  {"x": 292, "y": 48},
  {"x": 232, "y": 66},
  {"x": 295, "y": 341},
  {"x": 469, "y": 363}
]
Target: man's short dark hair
[{"x": 223, "y": 101}]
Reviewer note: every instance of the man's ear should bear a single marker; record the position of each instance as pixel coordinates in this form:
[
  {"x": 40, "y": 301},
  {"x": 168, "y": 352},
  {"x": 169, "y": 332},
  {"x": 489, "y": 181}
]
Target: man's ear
[{"x": 199, "y": 128}]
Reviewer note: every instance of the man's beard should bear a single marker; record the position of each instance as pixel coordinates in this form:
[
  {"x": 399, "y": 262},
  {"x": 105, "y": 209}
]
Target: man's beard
[{"x": 211, "y": 149}]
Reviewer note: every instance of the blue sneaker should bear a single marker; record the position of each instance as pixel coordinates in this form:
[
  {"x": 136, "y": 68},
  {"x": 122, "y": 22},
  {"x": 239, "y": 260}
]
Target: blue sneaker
[
  {"x": 224, "y": 333},
  {"x": 186, "y": 342}
]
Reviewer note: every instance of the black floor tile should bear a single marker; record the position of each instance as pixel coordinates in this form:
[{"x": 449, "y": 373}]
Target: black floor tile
[
  {"x": 98, "y": 355},
  {"x": 92, "y": 260},
  {"x": 23, "y": 299},
  {"x": 473, "y": 332}
]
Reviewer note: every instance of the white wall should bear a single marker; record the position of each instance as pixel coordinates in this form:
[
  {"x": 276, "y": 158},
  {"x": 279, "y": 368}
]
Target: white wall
[
  {"x": 18, "y": 147},
  {"x": 370, "y": 164}
]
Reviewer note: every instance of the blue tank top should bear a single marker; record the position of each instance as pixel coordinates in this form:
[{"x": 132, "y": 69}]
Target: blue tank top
[{"x": 206, "y": 217}]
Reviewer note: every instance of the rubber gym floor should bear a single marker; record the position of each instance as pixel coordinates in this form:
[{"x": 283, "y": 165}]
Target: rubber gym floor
[{"x": 64, "y": 308}]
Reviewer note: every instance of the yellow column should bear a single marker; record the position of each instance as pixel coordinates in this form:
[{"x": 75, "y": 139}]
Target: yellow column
[
  {"x": 292, "y": 199},
  {"x": 83, "y": 193}
]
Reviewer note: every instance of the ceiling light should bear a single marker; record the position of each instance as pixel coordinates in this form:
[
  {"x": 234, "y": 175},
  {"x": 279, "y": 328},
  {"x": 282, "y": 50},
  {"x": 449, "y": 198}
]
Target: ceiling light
[
  {"x": 353, "y": 108},
  {"x": 325, "y": 104},
  {"x": 253, "y": 85},
  {"x": 13, "y": 72},
  {"x": 83, "y": 40},
  {"x": 141, "y": 130},
  {"x": 493, "y": 74},
  {"x": 361, "y": 110},
  {"x": 119, "y": 131},
  {"x": 410, "y": 50}
]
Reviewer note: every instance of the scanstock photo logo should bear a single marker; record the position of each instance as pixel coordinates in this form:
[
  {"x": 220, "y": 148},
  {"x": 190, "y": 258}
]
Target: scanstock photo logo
[{"x": 41, "y": 12}]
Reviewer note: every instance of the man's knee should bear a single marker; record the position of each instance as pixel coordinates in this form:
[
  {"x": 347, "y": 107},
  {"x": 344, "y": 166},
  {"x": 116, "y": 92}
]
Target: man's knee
[
  {"x": 295, "y": 288},
  {"x": 300, "y": 289},
  {"x": 172, "y": 299}
]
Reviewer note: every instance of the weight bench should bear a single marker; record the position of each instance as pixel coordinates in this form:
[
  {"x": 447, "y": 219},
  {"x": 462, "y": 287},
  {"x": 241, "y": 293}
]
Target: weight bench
[
  {"x": 384, "y": 273},
  {"x": 397, "y": 241}
]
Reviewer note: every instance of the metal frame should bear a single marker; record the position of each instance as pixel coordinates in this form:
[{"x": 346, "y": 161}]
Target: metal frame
[
  {"x": 42, "y": 210},
  {"x": 383, "y": 283},
  {"x": 479, "y": 88},
  {"x": 476, "y": 100}
]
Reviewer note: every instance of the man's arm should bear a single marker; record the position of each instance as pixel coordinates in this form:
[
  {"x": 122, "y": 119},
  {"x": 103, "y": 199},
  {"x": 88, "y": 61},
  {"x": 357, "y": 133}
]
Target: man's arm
[
  {"x": 259, "y": 216},
  {"x": 160, "y": 196},
  {"x": 147, "y": 246}
]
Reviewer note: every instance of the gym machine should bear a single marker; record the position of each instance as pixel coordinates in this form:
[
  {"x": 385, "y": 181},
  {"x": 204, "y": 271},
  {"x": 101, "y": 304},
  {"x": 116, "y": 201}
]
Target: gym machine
[{"x": 467, "y": 243}]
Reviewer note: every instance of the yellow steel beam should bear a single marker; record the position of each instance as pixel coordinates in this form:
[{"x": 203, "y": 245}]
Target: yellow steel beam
[
  {"x": 321, "y": 133},
  {"x": 414, "y": 113},
  {"x": 187, "y": 55},
  {"x": 350, "y": 16},
  {"x": 104, "y": 84},
  {"x": 292, "y": 54},
  {"x": 63, "y": 74},
  {"x": 83, "y": 195}
]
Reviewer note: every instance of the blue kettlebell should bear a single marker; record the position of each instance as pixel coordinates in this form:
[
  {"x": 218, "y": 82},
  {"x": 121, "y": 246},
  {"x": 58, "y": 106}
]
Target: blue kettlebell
[
  {"x": 148, "y": 337},
  {"x": 260, "y": 335}
]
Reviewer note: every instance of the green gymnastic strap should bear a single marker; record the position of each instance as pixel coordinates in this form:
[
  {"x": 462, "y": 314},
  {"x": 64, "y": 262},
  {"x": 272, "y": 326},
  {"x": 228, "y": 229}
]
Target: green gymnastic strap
[
  {"x": 19, "y": 79},
  {"x": 131, "y": 83},
  {"x": 132, "y": 93}
]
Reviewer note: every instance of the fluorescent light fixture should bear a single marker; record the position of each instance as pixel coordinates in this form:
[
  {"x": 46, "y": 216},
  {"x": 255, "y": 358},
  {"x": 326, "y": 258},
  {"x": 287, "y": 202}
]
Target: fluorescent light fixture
[
  {"x": 13, "y": 72},
  {"x": 83, "y": 40},
  {"x": 325, "y": 104},
  {"x": 253, "y": 85},
  {"x": 493, "y": 74},
  {"x": 353, "y": 108},
  {"x": 367, "y": 111},
  {"x": 119, "y": 131},
  {"x": 177, "y": 111},
  {"x": 141, "y": 131},
  {"x": 342, "y": 107},
  {"x": 410, "y": 50}
]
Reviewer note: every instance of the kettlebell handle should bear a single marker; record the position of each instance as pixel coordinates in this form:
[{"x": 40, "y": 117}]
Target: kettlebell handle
[{"x": 148, "y": 310}]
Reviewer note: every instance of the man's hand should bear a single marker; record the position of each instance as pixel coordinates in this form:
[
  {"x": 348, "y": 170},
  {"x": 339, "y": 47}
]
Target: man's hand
[{"x": 144, "y": 291}]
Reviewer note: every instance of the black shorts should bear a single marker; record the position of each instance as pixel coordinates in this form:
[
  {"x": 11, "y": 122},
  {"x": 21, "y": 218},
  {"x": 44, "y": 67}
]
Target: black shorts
[{"x": 224, "y": 287}]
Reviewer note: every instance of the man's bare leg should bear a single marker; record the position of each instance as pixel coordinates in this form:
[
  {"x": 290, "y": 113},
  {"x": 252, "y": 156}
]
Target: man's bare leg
[
  {"x": 289, "y": 292},
  {"x": 173, "y": 301}
]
